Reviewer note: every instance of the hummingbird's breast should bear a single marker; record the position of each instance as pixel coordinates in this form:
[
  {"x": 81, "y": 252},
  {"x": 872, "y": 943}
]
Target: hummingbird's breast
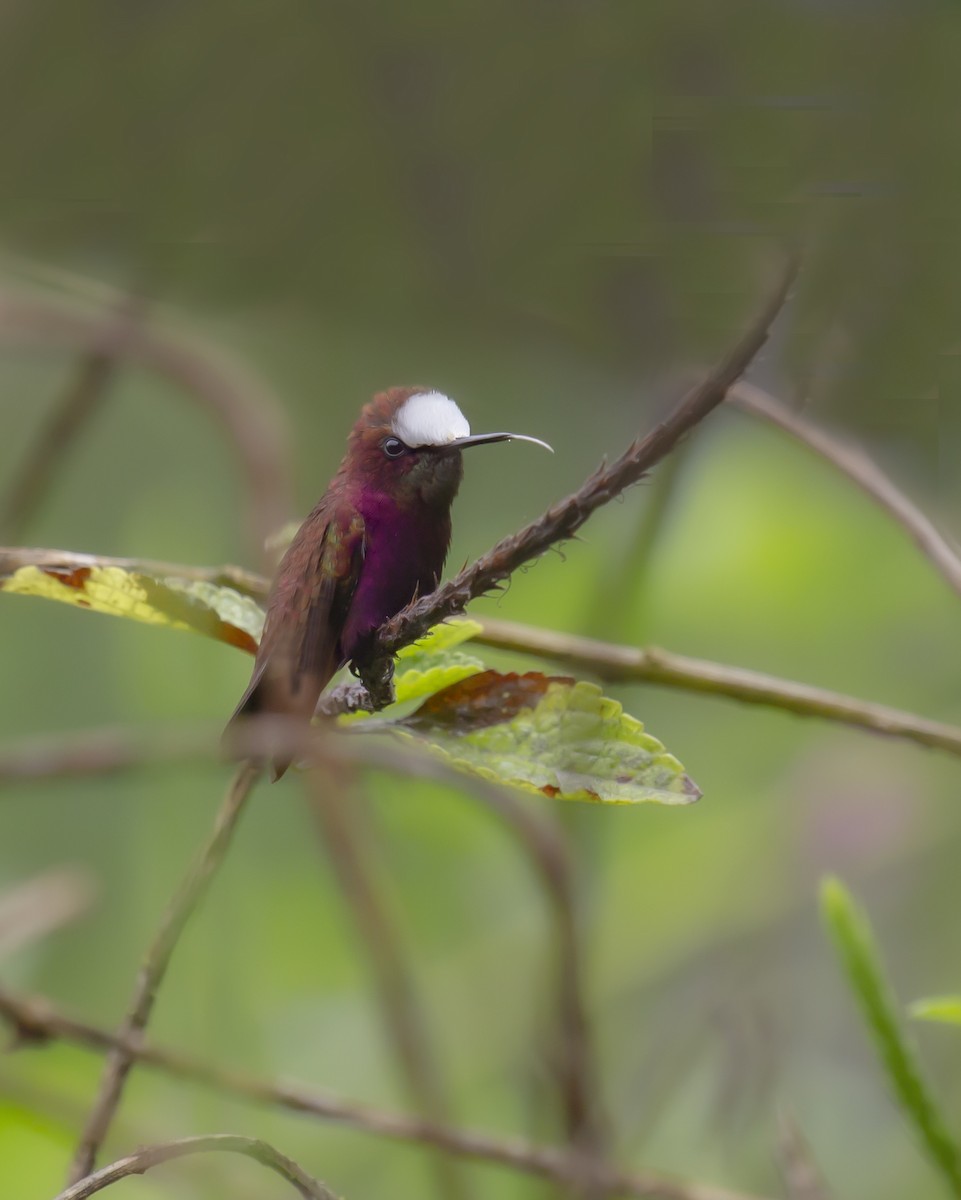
[{"x": 405, "y": 549}]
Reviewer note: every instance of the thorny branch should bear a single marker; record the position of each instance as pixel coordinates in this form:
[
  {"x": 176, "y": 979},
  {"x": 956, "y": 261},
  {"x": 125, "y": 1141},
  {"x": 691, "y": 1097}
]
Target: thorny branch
[
  {"x": 96, "y": 752},
  {"x": 36, "y": 1020},
  {"x": 149, "y": 1157},
  {"x": 559, "y": 523},
  {"x": 563, "y": 519},
  {"x": 154, "y": 968}
]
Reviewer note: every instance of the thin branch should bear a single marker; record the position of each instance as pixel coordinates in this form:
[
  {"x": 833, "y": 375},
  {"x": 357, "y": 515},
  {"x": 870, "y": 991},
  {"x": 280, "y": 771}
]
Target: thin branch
[
  {"x": 542, "y": 843},
  {"x": 563, "y": 519},
  {"x": 627, "y": 664},
  {"x": 85, "y": 393},
  {"x": 244, "y": 409},
  {"x": 802, "y": 1179},
  {"x": 149, "y": 1157},
  {"x": 577, "y": 1071},
  {"x": 617, "y": 594},
  {"x": 538, "y": 837},
  {"x": 154, "y": 968},
  {"x": 118, "y": 750},
  {"x": 12, "y": 558},
  {"x": 338, "y": 808},
  {"x": 32, "y": 910},
  {"x": 864, "y": 473},
  {"x": 36, "y": 1020},
  {"x": 111, "y": 750}
]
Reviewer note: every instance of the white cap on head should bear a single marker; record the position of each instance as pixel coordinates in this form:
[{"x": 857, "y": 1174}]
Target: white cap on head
[{"x": 429, "y": 419}]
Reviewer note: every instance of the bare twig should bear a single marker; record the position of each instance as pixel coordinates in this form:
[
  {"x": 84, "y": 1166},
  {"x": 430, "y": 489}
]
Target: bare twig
[
  {"x": 149, "y": 1157},
  {"x": 116, "y": 751},
  {"x": 862, "y": 471},
  {"x": 154, "y": 968},
  {"x": 542, "y": 842},
  {"x": 616, "y": 596},
  {"x": 537, "y": 836},
  {"x": 112, "y": 750},
  {"x": 36, "y": 1019},
  {"x": 12, "y": 558},
  {"x": 563, "y": 519},
  {"x": 627, "y": 664},
  {"x": 33, "y": 909},
  {"x": 802, "y": 1179},
  {"x": 85, "y": 393},
  {"x": 339, "y": 808},
  {"x": 246, "y": 411}
]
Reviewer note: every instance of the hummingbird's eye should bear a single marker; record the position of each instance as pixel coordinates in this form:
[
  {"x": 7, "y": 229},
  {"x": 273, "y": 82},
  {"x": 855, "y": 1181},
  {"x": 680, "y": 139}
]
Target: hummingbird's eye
[{"x": 393, "y": 447}]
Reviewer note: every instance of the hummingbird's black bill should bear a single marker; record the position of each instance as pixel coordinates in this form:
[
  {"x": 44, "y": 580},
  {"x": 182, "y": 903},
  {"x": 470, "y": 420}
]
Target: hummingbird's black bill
[{"x": 485, "y": 439}]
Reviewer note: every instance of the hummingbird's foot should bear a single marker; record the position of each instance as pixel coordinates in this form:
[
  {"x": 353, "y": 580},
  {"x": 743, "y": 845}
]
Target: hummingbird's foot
[{"x": 377, "y": 676}]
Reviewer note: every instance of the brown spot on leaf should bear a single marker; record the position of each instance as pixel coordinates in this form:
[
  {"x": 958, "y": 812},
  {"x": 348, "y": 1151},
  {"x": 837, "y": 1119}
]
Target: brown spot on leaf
[
  {"x": 550, "y": 790},
  {"x": 690, "y": 788},
  {"x": 488, "y": 698},
  {"x": 237, "y": 637},
  {"x": 75, "y": 577}
]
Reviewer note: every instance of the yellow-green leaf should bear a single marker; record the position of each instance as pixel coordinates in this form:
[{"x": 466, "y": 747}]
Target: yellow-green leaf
[
  {"x": 545, "y": 733},
  {"x": 428, "y": 666},
  {"x": 945, "y": 1009},
  {"x": 213, "y": 610},
  {"x": 431, "y": 664},
  {"x": 860, "y": 957},
  {"x": 441, "y": 638},
  {"x": 549, "y": 734}
]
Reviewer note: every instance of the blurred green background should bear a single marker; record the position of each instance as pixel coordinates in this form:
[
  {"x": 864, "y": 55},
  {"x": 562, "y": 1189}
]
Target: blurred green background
[{"x": 550, "y": 211}]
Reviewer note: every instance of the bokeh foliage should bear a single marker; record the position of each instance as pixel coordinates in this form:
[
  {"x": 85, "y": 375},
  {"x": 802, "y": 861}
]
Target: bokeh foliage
[{"x": 543, "y": 209}]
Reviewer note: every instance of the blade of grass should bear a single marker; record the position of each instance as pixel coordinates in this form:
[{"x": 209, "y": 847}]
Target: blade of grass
[
  {"x": 944, "y": 1009},
  {"x": 860, "y": 957}
]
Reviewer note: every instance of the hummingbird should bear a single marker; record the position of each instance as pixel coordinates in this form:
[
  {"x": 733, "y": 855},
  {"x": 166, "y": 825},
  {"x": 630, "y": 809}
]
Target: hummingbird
[{"x": 376, "y": 539}]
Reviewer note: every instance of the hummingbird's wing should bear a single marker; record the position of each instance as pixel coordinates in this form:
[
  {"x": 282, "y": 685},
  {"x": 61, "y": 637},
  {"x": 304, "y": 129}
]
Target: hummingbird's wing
[{"x": 308, "y": 607}]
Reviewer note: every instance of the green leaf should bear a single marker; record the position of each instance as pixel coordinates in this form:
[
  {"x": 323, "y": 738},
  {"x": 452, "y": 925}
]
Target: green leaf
[
  {"x": 214, "y": 610},
  {"x": 416, "y": 683},
  {"x": 544, "y": 733},
  {"x": 851, "y": 932},
  {"x": 441, "y": 638},
  {"x": 548, "y": 734},
  {"x": 945, "y": 1009},
  {"x": 211, "y": 609},
  {"x": 432, "y": 664},
  {"x": 428, "y": 666}
]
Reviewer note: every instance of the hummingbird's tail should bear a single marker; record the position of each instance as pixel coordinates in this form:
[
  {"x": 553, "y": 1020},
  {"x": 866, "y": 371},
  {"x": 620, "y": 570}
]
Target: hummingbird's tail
[
  {"x": 270, "y": 696},
  {"x": 236, "y": 737}
]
